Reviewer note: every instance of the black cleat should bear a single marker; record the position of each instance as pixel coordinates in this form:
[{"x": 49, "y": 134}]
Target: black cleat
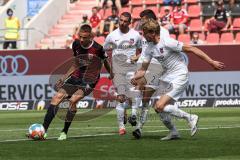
[
  {"x": 132, "y": 120},
  {"x": 137, "y": 134}
]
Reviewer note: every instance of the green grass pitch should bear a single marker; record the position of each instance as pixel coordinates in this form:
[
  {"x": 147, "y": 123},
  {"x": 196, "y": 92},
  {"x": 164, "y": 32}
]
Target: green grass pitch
[{"x": 218, "y": 138}]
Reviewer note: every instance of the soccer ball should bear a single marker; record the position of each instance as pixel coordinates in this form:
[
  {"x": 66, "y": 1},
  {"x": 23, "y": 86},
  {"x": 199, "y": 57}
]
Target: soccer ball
[{"x": 36, "y": 131}]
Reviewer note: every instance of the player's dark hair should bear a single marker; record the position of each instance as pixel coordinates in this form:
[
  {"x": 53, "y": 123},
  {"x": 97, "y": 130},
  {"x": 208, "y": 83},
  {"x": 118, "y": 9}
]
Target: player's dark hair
[
  {"x": 127, "y": 14},
  {"x": 86, "y": 28},
  {"x": 148, "y": 13}
]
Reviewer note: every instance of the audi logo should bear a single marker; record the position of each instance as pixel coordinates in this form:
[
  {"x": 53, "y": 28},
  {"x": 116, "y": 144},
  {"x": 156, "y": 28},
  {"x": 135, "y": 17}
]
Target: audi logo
[{"x": 13, "y": 65}]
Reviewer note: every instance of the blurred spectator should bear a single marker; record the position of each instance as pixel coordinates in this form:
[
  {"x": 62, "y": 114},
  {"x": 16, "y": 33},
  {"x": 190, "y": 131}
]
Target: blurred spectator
[
  {"x": 12, "y": 26},
  {"x": 221, "y": 19},
  {"x": 231, "y": 3},
  {"x": 95, "y": 20},
  {"x": 179, "y": 19},
  {"x": 195, "y": 39},
  {"x": 166, "y": 18},
  {"x": 68, "y": 42},
  {"x": 113, "y": 3},
  {"x": 171, "y": 2},
  {"x": 84, "y": 20},
  {"x": 111, "y": 23}
]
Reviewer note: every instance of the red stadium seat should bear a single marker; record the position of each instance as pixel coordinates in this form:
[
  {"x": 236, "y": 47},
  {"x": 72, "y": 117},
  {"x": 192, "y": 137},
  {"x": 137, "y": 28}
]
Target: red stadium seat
[
  {"x": 226, "y": 38},
  {"x": 150, "y": 2},
  {"x": 136, "y": 2},
  {"x": 236, "y": 24},
  {"x": 185, "y": 38},
  {"x": 191, "y": 1},
  {"x": 237, "y": 39},
  {"x": 194, "y": 11},
  {"x": 100, "y": 39},
  {"x": 136, "y": 11},
  {"x": 125, "y": 9},
  {"x": 195, "y": 25},
  {"x": 212, "y": 38}
]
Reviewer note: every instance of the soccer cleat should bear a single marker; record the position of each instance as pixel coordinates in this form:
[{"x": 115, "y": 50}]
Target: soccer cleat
[
  {"x": 45, "y": 136},
  {"x": 122, "y": 131},
  {"x": 171, "y": 136},
  {"x": 137, "y": 133},
  {"x": 133, "y": 120},
  {"x": 63, "y": 136},
  {"x": 193, "y": 124}
]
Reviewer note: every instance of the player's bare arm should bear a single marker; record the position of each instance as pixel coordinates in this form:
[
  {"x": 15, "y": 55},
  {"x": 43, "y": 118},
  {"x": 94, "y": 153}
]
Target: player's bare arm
[
  {"x": 215, "y": 64},
  {"x": 140, "y": 73}
]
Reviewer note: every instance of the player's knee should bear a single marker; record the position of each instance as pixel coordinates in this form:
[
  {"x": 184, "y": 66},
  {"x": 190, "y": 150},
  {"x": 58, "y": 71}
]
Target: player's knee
[{"x": 57, "y": 98}]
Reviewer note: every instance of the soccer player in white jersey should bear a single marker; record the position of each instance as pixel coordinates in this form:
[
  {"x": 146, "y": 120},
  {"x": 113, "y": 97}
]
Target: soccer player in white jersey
[
  {"x": 152, "y": 80},
  {"x": 124, "y": 43},
  {"x": 167, "y": 51}
]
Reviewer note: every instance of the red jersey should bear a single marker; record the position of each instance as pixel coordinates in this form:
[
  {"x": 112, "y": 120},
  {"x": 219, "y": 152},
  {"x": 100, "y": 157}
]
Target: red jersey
[
  {"x": 95, "y": 20},
  {"x": 179, "y": 16}
]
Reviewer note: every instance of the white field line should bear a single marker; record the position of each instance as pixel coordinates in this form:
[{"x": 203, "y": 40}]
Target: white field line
[
  {"x": 89, "y": 128},
  {"x": 110, "y": 134}
]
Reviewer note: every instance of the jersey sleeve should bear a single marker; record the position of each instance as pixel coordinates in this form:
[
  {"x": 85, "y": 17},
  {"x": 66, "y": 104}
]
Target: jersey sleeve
[
  {"x": 107, "y": 42},
  {"x": 173, "y": 44},
  {"x": 139, "y": 41},
  {"x": 147, "y": 54},
  {"x": 102, "y": 54}
]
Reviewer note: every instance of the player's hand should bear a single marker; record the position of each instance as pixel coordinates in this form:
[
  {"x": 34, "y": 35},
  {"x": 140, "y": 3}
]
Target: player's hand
[
  {"x": 133, "y": 59},
  {"x": 218, "y": 65},
  {"x": 134, "y": 82},
  {"x": 59, "y": 84},
  {"x": 121, "y": 98},
  {"x": 157, "y": 107}
]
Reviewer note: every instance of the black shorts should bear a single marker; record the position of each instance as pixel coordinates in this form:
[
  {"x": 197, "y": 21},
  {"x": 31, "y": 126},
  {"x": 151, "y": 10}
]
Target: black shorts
[{"x": 72, "y": 84}]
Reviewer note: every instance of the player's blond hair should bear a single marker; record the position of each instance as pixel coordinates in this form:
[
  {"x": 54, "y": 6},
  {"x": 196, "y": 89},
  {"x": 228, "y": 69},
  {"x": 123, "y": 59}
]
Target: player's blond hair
[{"x": 151, "y": 26}]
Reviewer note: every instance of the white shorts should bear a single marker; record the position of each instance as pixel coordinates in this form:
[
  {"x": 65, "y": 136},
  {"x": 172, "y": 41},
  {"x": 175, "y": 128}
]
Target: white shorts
[{"x": 178, "y": 81}]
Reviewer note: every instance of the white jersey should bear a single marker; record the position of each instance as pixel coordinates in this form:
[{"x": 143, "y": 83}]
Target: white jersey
[
  {"x": 123, "y": 47},
  {"x": 175, "y": 71}
]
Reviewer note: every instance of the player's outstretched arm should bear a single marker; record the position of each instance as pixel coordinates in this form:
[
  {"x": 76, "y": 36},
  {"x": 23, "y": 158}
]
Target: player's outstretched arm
[
  {"x": 215, "y": 64},
  {"x": 108, "y": 67}
]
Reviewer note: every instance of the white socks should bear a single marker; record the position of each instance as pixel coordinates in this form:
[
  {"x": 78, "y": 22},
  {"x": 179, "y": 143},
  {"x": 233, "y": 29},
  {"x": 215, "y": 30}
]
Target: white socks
[
  {"x": 120, "y": 115},
  {"x": 175, "y": 111},
  {"x": 166, "y": 119},
  {"x": 143, "y": 117}
]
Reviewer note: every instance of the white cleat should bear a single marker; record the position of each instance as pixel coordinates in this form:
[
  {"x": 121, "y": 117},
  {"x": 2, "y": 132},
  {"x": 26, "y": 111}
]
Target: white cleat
[
  {"x": 193, "y": 124},
  {"x": 171, "y": 136}
]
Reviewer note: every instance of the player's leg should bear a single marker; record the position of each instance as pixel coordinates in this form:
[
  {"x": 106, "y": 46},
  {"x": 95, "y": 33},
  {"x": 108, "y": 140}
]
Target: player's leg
[
  {"x": 53, "y": 108},
  {"x": 120, "y": 109},
  {"x": 147, "y": 94},
  {"x": 78, "y": 95},
  {"x": 166, "y": 104},
  {"x": 167, "y": 121}
]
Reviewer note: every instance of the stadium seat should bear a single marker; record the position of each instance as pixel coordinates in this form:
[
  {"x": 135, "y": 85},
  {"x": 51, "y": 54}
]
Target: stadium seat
[
  {"x": 236, "y": 24},
  {"x": 226, "y": 38},
  {"x": 237, "y": 39},
  {"x": 235, "y": 11},
  {"x": 136, "y": 11},
  {"x": 195, "y": 25},
  {"x": 136, "y": 2},
  {"x": 125, "y": 9},
  {"x": 194, "y": 11},
  {"x": 108, "y": 12},
  {"x": 202, "y": 36},
  {"x": 185, "y": 38},
  {"x": 208, "y": 10},
  {"x": 150, "y": 2},
  {"x": 191, "y": 1},
  {"x": 212, "y": 38},
  {"x": 100, "y": 39}
]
